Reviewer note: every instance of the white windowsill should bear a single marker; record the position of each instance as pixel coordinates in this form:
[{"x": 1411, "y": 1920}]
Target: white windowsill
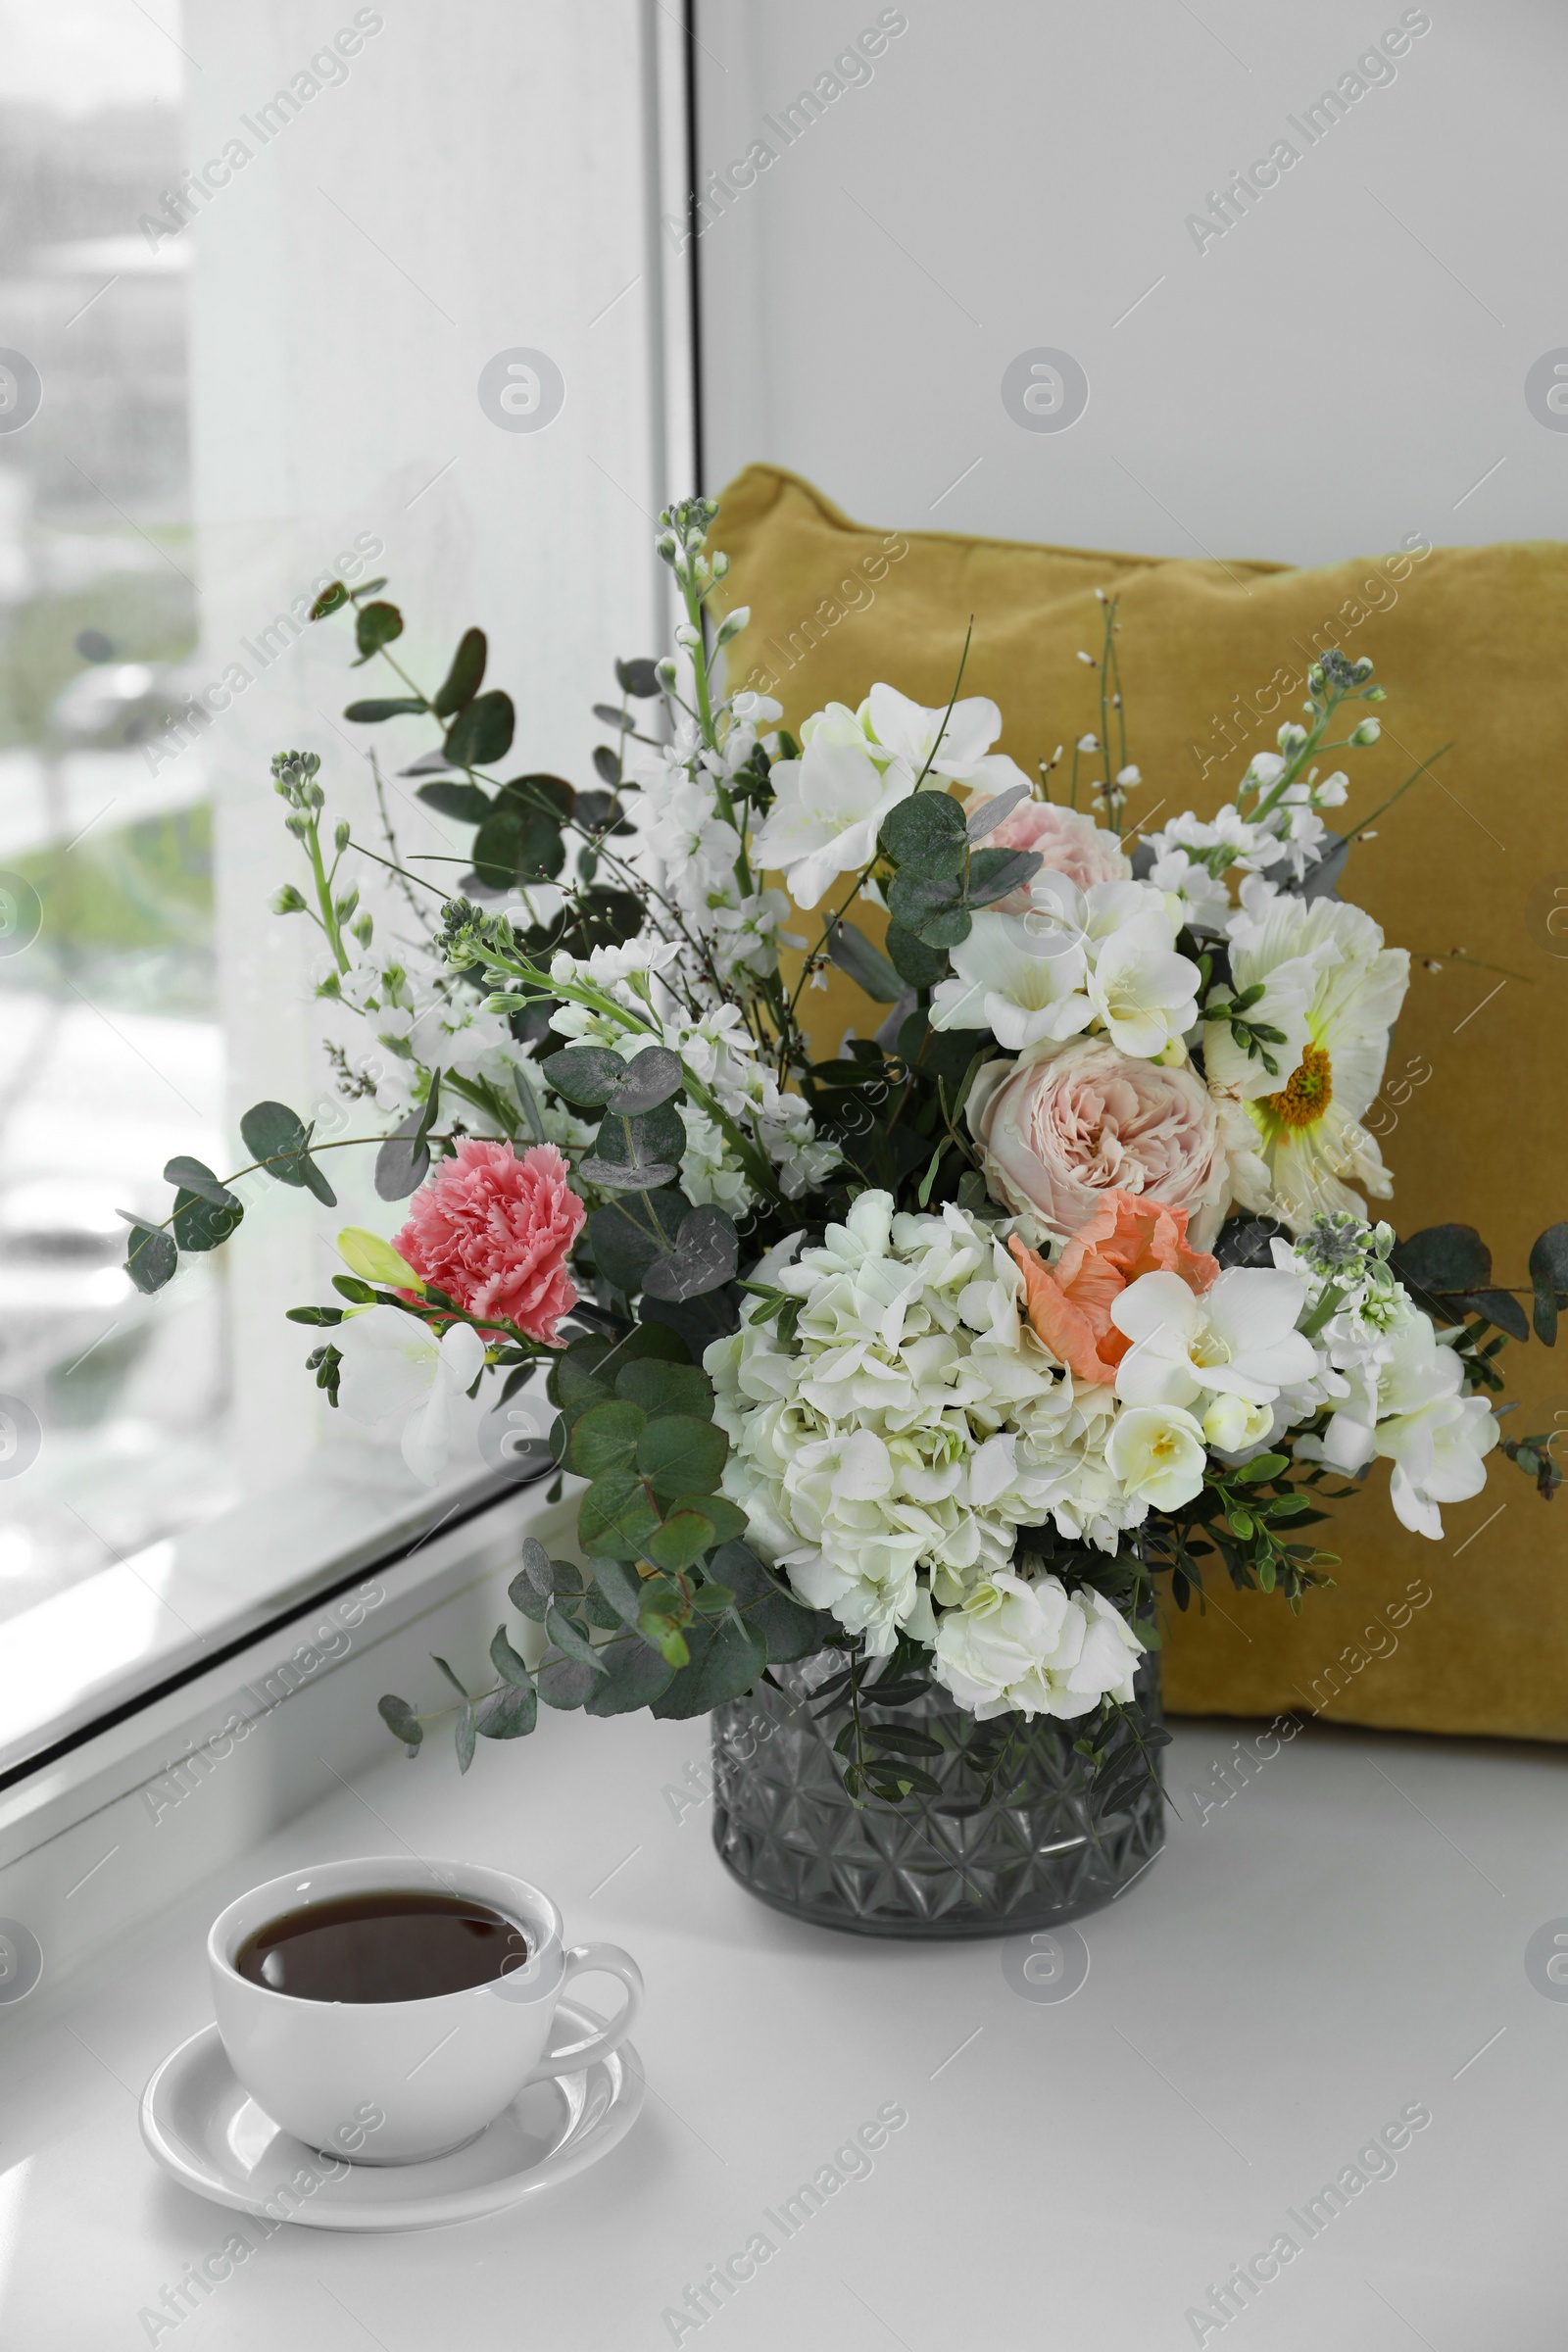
[{"x": 108, "y": 1641}]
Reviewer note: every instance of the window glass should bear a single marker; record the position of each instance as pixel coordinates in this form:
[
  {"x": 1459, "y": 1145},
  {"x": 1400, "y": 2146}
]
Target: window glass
[{"x": 112, "y": 1419}]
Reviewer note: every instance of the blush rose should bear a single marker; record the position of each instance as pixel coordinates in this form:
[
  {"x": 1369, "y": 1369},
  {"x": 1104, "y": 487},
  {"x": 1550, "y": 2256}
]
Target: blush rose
[
  {"x": 1065, "y": 840},
  {"x": 1057, "y": 1133}
]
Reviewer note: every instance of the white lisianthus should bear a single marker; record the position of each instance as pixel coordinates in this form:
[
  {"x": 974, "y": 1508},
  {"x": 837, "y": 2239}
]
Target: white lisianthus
[
  {"x": 395, "y": 1369},
  {"x": 1157, "y": 1452},
  {"x": 1035, "y": 1648}
]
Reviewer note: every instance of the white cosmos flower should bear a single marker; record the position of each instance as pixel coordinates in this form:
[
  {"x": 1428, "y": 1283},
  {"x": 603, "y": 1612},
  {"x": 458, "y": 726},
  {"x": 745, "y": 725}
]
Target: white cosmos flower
[
  {"x": 1021, "y": 982},
  {"x": 1036, "y": 1649},
  {"x": 827, "y": 813},
  {"x": 394, "y": 1366},
  {"x": 1158, "y": 1451},
  {"x": 1287, "y": 991},
  {"x": 1239, "y": 1339},
  {"x": 1309, "y": 1127}
]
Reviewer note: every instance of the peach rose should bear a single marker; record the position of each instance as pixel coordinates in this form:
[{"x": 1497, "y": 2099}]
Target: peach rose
[
  {"x": 1058, "y": 1133},
  {"x": 1069, "y": 1304},
  {"x": 1066, "y": 843}
]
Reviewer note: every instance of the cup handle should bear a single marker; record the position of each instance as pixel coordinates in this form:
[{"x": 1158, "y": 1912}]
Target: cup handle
[{"x": 584, "y": 1959}]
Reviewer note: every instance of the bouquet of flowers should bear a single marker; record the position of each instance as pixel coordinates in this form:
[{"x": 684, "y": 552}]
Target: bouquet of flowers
[{"x": 937, "y": 1353}]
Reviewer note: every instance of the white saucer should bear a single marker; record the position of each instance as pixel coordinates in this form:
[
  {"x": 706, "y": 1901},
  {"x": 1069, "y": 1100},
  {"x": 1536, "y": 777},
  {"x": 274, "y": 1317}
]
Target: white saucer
[{"x": 209, "y": 2134}]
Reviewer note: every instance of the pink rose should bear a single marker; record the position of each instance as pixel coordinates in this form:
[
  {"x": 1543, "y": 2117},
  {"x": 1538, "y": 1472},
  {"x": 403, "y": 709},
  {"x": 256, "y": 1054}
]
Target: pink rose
[
  {"x": 1057, "y": 1135},
  {"x": 1067, "y": 842},
  {"x": 494, "y": 1232}
]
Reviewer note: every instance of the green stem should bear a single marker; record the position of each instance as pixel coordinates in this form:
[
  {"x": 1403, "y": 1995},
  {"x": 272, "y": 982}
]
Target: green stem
[
  {"x": 342, "y": 1142},
  {"x": 323, "y": 896},
  {"x": 1386, "y": 805}
]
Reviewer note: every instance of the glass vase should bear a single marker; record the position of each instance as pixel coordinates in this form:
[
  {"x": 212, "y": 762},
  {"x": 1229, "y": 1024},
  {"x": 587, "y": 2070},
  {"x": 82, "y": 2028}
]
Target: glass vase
[{"x": 946, "y": 1866}]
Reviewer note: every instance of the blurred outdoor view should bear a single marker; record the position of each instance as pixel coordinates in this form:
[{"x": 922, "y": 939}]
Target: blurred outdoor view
[{"x": 108, "y": 1007}]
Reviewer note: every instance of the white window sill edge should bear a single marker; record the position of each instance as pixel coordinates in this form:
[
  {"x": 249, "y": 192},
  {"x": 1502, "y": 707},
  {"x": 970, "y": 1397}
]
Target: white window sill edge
[{"x": 83, "y": 1655}]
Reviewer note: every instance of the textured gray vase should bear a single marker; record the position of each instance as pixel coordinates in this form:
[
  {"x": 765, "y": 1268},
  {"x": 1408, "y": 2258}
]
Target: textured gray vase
[{"x": 783, "y": 1824}]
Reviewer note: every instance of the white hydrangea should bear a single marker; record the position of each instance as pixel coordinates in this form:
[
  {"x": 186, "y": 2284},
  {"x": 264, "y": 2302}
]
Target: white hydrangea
[{"x": 887, "y": 1453}]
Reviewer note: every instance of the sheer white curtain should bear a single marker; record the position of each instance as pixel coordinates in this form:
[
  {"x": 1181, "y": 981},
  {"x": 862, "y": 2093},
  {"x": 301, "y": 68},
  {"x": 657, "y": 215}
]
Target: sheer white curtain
[{"x": 425, "y": 192}]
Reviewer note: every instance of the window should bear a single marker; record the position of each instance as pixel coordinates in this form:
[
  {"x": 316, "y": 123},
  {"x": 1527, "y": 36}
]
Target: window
[
  {"x": 261, "y": 323},
  {"x": 116, "y": 1417}
]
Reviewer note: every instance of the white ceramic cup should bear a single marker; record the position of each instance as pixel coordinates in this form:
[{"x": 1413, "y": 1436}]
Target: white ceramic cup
[{"x": 397, "y": 2082}]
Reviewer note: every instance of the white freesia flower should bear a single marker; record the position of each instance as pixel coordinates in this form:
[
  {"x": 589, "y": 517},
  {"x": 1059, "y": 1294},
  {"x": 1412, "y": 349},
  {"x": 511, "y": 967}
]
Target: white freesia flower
[
  {"x": 1035, "y": 1647},
  {"x": 1237, "y": 1339},
  {"x": 395, "y": 1368},
  {"x": 964, "y": 755},
  {"x": 827, "y": 811},
  {"x": 1158, "y": 1451},
  {"x": 1102, "y": 957},
  {"x": 1143, "y": 992},
  {"x": 1205, "y": 903},
  {"x": 1232, "y": 1426},
  {"x": 1409, "y": 1408},
  {"x": 1015, "y": 979}
]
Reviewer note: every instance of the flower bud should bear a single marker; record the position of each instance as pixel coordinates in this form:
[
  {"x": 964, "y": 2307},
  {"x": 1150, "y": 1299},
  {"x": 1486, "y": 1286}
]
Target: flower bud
[
  {"x": 287, "y": 900},
  {"x": 341, "y": 837}
]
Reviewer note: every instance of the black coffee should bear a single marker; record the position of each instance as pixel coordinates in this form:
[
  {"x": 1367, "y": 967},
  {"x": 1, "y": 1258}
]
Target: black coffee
[{"x": 384, "y": 1948}]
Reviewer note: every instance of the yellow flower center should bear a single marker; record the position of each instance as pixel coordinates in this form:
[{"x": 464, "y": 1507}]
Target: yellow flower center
[{"x": 1309, "y": 1093}]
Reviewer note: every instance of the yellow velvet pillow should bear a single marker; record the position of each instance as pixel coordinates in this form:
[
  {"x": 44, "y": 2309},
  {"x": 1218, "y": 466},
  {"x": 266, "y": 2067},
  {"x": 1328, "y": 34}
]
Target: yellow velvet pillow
[{"x": 1469, "y": 1634}]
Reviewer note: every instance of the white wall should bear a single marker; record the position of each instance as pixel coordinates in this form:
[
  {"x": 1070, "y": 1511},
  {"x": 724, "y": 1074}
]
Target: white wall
[
  {"x": 484, "y": 179},
  {"x": 1341, "y": 368}
]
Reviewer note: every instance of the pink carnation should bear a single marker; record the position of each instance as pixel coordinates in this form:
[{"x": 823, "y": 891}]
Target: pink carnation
[
  {"x": 494, "y": 1232},
  {"x": 1068, "y": 842}
]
